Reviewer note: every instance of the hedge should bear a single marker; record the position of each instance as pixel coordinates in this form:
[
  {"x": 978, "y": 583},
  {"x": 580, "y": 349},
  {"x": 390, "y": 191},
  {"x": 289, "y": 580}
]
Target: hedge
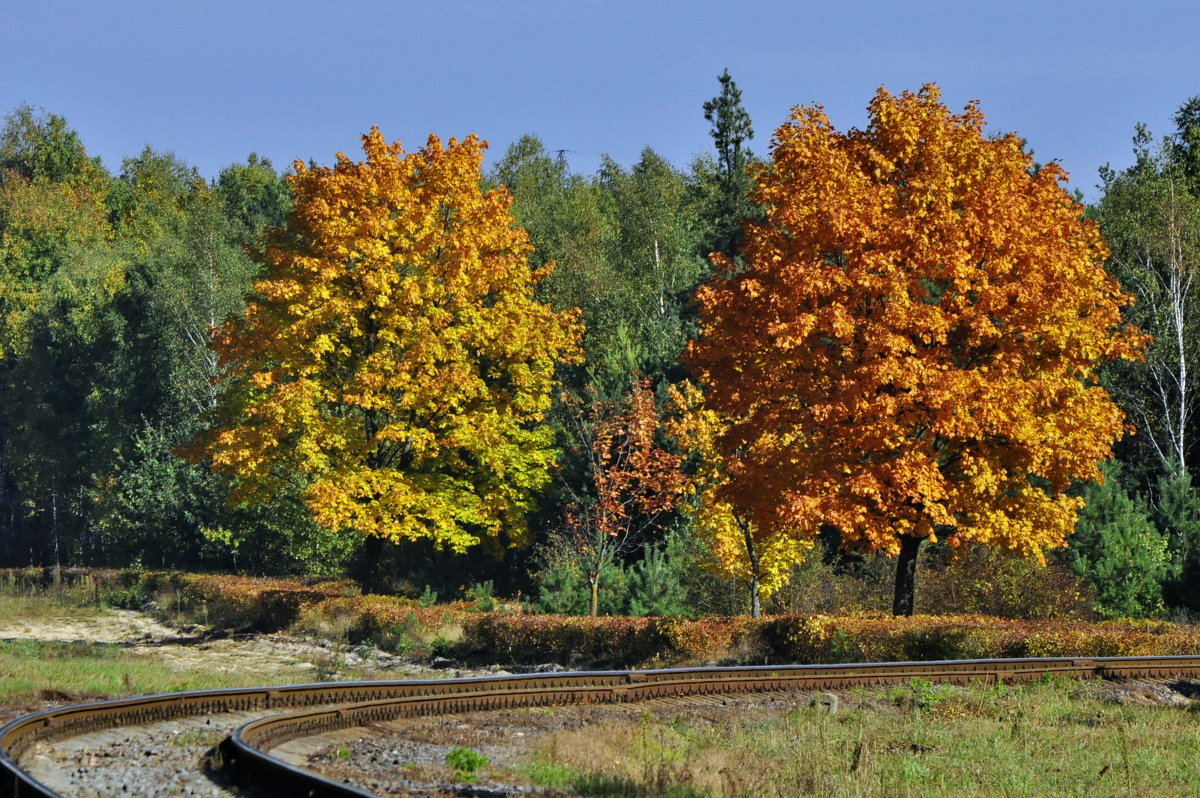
[
  {"x": 507, "y": 637},
  {"x": 801, "y": 639}
]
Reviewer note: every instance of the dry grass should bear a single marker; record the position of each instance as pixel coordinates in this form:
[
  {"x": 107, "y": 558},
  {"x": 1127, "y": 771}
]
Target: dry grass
[{"x": 1062, "y": 739}]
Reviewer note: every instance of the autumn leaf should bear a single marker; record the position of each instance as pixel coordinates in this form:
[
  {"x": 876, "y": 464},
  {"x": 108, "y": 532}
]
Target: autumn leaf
[
  {"x": 632, "y": 481},
  {"x": 393, "y": 354},
  {"x": 910, "y": 351},
  {"x": 760, "y": 557}
]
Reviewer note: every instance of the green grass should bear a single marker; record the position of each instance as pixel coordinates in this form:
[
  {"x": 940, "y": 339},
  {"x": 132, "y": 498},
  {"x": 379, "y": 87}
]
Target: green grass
[
  {"x": 32, "y": 670},
  {"x": 43, "y": 608},
  {"x": 1057, "y": 738}
]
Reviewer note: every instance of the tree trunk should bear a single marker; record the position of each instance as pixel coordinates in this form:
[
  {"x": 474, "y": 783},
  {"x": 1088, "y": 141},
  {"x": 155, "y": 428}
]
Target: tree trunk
[
  {"x": 906, "y": 576},
  {"x": 368, "y": 568},
  {"x": 594, "y": 602},
  {"x": 755, "y": 570}
]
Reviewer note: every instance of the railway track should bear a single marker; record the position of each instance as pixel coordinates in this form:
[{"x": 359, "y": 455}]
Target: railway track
[{"x": 269, "y": 717}]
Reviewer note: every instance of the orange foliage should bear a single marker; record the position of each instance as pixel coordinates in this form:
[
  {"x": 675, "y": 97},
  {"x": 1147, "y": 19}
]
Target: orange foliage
[
  {"x": 635, "y": 481},
  {"x": 911, "y": 348},
  {"x": 394, "y": 358}
]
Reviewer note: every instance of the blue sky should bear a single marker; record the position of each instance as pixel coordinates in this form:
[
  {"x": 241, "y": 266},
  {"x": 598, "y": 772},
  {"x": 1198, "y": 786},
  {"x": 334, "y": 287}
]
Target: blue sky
[{"x": 213, "y": 80}]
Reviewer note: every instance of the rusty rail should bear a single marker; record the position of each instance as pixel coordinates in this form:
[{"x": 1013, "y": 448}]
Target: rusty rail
[{"x": 328, "y": 707}]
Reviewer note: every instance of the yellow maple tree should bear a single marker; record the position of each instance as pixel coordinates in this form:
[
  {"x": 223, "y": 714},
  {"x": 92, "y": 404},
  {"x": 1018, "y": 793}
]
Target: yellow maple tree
[
  {"x": 910, "y": 351},
  {"x": 393, "y": 358},
  {"x": 760, "y": 557}
]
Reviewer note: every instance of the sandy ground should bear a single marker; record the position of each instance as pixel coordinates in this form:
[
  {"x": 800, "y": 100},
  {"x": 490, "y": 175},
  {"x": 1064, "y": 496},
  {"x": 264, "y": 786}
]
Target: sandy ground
[
  {"x": 111, "y": 626},
  {"x": 192, "y": 646},
  {"x": 257, "y": 658}
]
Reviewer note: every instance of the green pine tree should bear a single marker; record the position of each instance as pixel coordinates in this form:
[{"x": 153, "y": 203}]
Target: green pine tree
[{"x": 1117, "y": 548}]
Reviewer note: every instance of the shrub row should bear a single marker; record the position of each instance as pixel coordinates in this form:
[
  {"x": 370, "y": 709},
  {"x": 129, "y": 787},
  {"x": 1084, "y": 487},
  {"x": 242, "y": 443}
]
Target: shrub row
[
  {"x": 628, "y": 642},
  {"x": 241, "y": 603},
  {"x": 598, "y": 642},
  {"x": 331, "y": 609},
  {"x": 250, "y": 603},
  {"x": 390, "y": 622}
]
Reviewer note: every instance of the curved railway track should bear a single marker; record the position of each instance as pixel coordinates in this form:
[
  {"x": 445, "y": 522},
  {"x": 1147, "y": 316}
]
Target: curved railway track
[{"x": 292, "y": 712}]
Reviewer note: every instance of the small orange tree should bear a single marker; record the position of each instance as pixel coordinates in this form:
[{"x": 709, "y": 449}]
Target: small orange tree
[
  {"x": 910, "y": 351},
  {"x": 631, "y": 482},
  {"x": 393, "y": 357}
]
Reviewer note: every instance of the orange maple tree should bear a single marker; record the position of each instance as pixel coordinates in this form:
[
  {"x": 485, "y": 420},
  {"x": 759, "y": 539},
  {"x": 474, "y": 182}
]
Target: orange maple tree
[
  {"x": 393, "y": 358},
  {"x": 910, "y": 351}
]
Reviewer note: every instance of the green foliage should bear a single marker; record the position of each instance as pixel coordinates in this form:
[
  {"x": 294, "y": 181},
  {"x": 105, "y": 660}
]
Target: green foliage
[
  {"x": 832, "y": 584},
  {"x": 988, "y": 581},
  {"x": 656, "y": 585},
  {"x": 653, "y": 257},
  {"x": 152, "y": 506},
  {"x": 60, "y": 337},
  {"x": 481, "y": 594},
  {"x": 281, "y": 538},
  {"x": 1186, "y": 141},
  {"x": 149, "y": 200},
  {"x": 40, "y": 146},
  {"x": 254, "y": 197},
  {"x": 570, "y": 222},
  {"x": 108, "y": 321},
  {"x": 1118, "y": 550},
  {"x": 1177, "y": 515},
  {"x": 665, "y": 581},
  {"x": 705, "y": 592},
  {"x": 562, "y": 587},
  {"x": 1151, "y": 222},
  {"x": 465, "y": 761},
  {"x": 726, "y": 185},
  {"x": 625, "y": 244}
]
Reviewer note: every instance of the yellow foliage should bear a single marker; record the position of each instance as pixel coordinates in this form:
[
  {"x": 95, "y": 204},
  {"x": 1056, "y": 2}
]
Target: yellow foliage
[
  {"x": 761, "y": 557},
  {"x": 393, "y": 356}
]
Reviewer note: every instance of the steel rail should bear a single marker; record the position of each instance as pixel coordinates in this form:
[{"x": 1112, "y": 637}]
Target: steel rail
[
  {"x": 247, "y": 750},
  {"x": 332, "y": 706}
]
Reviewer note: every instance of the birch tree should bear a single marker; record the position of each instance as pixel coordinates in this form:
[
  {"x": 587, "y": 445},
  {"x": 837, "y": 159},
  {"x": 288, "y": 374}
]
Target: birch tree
[{"x": 1152, "y": 224}]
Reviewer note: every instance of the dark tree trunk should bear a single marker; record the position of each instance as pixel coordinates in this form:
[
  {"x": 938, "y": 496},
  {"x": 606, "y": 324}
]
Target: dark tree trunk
[
  {"x": 906, "y": 576},
  {"x": 755, "y": 571},
  {"x": 368, "y": 569}
]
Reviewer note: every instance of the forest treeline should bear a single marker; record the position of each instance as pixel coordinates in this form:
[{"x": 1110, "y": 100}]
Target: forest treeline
[{"x": 113, "y": 284}]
